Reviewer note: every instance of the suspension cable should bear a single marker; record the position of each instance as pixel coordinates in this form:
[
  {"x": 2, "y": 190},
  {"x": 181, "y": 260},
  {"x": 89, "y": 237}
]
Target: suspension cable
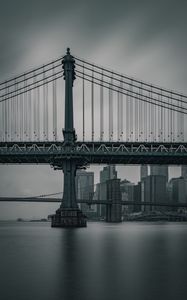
[
  {"x": 31, "y": 71},
  {"x": 130, "y": 78},
  {"x": 36, "y": 86},
  {"x": 135, "y": 96},
  {"x": 132, "y": 93}
]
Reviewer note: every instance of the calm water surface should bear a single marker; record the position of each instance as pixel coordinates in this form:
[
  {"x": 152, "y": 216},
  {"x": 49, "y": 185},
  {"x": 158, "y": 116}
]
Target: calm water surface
[{"x": 143, "y": 261}]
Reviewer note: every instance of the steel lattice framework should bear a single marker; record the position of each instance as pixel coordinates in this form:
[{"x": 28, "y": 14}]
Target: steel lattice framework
[{"x": 54, "y": 153}]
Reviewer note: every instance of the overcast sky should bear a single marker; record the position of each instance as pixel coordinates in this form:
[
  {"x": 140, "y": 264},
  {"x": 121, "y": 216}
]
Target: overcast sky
[{"x": 145, "y": 39}]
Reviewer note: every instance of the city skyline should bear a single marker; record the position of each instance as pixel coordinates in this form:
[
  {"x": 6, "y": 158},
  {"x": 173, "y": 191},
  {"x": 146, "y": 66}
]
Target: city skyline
[{"x": 27, "y": 210}]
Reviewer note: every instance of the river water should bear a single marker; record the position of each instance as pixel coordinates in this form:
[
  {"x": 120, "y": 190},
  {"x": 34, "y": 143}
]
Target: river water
[{"x": 128, "y": 261}]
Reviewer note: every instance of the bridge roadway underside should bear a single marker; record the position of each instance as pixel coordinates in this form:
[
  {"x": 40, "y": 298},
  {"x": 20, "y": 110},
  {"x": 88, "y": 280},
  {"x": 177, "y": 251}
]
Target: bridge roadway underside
[{"x": 54, "y": 153}]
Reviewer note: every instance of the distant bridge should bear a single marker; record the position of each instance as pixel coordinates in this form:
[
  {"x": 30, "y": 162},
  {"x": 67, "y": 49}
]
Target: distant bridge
[{"x": 91, "y": 202}]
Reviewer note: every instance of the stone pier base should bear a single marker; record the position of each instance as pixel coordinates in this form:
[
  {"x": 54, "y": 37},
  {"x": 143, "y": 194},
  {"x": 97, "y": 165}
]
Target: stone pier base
[{"x": 68, "y": 217}]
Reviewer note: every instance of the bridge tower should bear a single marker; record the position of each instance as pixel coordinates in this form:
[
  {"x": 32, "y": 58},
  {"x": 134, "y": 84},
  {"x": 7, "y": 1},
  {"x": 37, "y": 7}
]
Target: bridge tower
[{"x": 69, "y": 215}]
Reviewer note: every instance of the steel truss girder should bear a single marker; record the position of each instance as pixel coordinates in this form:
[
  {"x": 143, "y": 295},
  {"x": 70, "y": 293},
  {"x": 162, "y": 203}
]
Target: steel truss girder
[{"x": 93, "y": 153}]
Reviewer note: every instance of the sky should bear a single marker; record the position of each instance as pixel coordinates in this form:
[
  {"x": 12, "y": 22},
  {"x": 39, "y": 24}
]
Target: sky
[{"x": 142, "y": 38}]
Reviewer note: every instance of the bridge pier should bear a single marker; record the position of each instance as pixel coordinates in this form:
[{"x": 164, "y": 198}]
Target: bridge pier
[
  {"x": 68, "y": 218},
  {"x": 69, "y": 215}
]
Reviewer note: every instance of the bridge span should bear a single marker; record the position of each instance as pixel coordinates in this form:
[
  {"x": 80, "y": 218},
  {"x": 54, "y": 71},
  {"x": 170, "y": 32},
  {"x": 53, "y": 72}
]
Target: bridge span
[
  {"x": 92, "y": 202},
  {"x": 118, "y": 120}
]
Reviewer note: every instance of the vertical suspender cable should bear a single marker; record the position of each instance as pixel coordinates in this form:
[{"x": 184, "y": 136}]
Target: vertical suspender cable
[
  {"x": 29, "y": 126},
  {"x": 92, "y": 105},
  {"x": 171, "y": 116},
  {"x": 178, "y": 124},
  {"x": 101, "y": 110},
  {"x": 111, "y": 111},
  {"x": 83, "y": 107},
  {"x": 168, "y": 117},
  {"x": 181, "y": 124},
  {"x": 155, "y": 122},
  {"x": 44, "y": 109},
  {"x": 45, "y": 123},
  {"x": 38, "y": 113},
  {"x": 15, "y": 113},
  {"x": 162, "y": 120},
  {"x": 6, "y": 117},
  {"x": 152, "y": 118},
  {"x": 136, "y": 104},
  {"x": 127, "y": 117},
  {"x": 54, "y": 109},
  {"x": 118, "y": 116},
  {"x": 158, "y": 121},
  {"x": 141, "y": 114},
  {"x": 47, "y": 119},
  {"x": 149, "y": 118},
  {"x": 34, "y": 109},
  {"x": 3, "y": 121},
  {"x": 1, "y": 115},
  {"x": 121, "y": 112},
  {"x": 145, "y": 121},
  {"x": 25, "y": 109},
  {"x": 131, "y": 112},
  {"x": 21, "y": 118}
]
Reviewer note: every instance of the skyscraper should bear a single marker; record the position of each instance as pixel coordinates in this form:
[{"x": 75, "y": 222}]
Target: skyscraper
[
  {"x": 108, "y": 172},
  {"x": 178, "y": 190},
  {"x": 159, "y": 170},
  {"x": 113, "y": 211},
  {"x": 184, "y": 171},
  {"x": 84, "y": 187},
  {"x": 143, "y": 171},
  {"x": 153, "y": 189}
]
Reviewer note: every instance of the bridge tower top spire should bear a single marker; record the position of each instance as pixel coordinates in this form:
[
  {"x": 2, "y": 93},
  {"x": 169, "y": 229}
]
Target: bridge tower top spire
[
  {"x": 68, "y": 51},
  {"x": 68, "y": 63}
]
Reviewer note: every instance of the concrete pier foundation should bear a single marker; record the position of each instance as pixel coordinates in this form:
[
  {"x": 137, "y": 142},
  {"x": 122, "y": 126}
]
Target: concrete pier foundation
[{"x": 68, "y": 217}]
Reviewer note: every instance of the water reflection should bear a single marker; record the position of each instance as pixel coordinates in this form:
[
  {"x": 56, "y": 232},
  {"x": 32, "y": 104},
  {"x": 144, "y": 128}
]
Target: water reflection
[{"x": 128, "y": 261}]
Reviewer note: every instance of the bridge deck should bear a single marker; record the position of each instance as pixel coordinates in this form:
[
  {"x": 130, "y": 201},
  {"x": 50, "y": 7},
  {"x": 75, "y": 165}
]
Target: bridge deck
[{"x": 94, "y": 153}]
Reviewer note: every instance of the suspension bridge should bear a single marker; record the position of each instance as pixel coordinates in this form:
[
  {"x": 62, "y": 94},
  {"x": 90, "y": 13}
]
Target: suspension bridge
[{"x": 111, "y": 119}]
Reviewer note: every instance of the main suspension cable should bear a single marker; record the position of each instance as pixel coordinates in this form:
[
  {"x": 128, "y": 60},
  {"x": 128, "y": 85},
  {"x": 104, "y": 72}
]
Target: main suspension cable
[
  {"x": 31, "y": 71},
  {"x": 135, "y": 97},
  {"x": 130, "y": 78},
  {"x": 134, "y": 94},
  {"x": 36, "y": 86}
]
